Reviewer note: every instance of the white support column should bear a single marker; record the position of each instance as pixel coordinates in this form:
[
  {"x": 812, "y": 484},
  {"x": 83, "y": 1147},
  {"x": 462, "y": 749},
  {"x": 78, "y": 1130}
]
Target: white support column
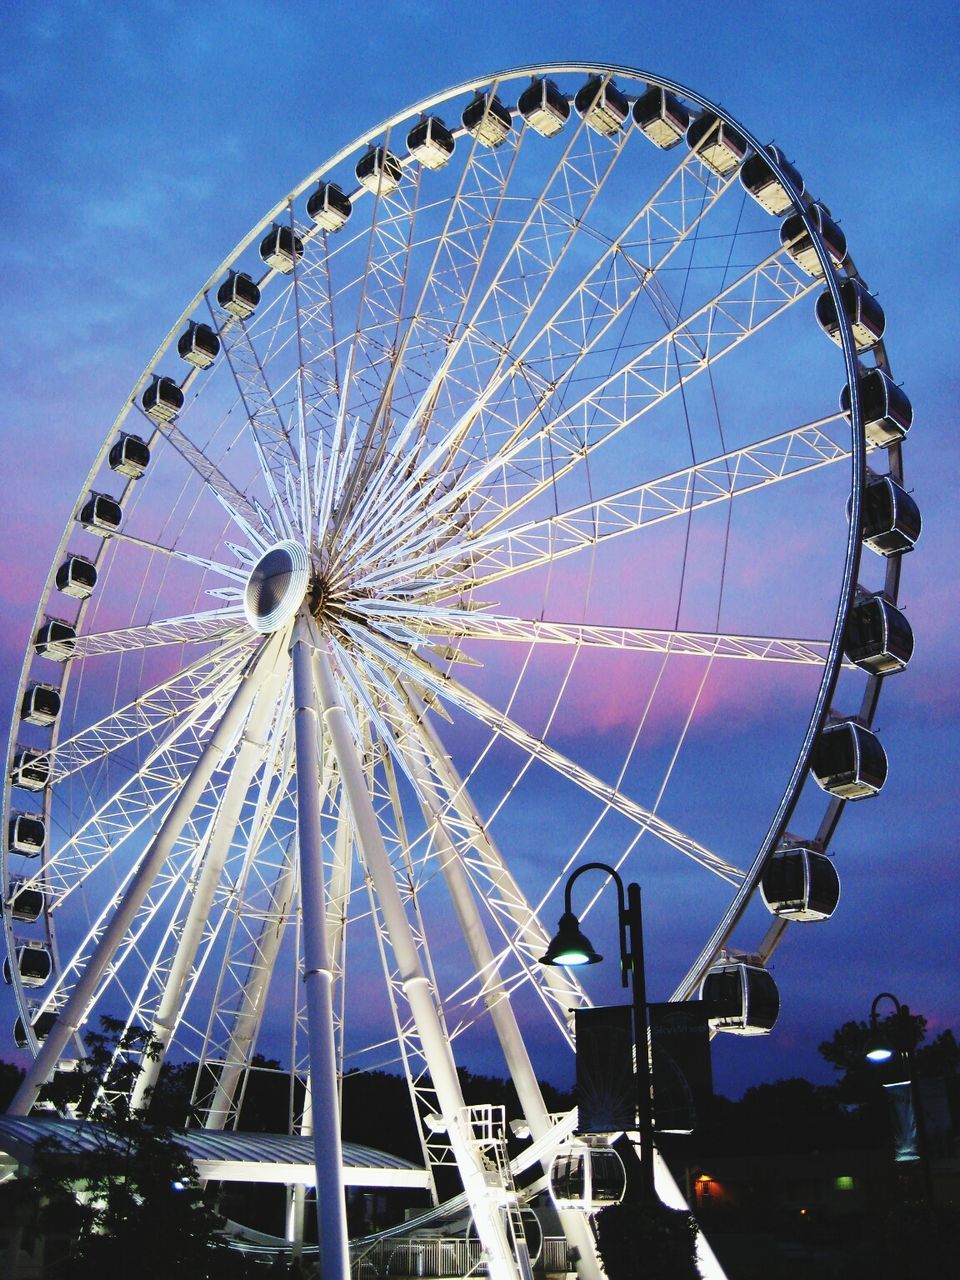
[
  {"x": 70, "y": 1018},
  {"x": 575, "y": 1226},
  {"x": 248, "y": 1016},
  {"x": 225, "y": 822},
  {"x": 317, "y": 975},
  {"x": 420, "y": 995}
]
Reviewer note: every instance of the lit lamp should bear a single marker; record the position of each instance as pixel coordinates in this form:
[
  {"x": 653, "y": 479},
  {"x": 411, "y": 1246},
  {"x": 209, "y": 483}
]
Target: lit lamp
[
  {"x": 881, "y": 1048},
  {"x": 571, "y": 949}
]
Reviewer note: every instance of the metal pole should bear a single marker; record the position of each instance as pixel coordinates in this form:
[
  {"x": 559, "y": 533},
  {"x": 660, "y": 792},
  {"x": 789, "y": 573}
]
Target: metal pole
[
  {"x": 317, "y": 975},
  {"x": 633, "y": 920}
]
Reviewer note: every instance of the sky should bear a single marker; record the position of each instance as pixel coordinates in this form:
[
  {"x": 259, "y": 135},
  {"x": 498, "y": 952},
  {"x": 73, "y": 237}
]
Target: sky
[{"x": 138, "y": 143}]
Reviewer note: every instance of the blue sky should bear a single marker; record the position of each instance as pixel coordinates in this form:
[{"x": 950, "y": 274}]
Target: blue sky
[{"x": 140, "y": 142}]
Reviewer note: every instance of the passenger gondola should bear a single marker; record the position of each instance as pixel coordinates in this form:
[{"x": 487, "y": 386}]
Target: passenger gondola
[
  {"x": 545, "y": 109},
  {"x": 199, "y": 345},
  {"x": 741, "y": 997},
  {"x": 31, "y": 770},
  {"x": 328, "y": 207},
  {"x": 848, "y": 761},
  {"x": 101, "y": 515},
  {"x": 586, "y": 1178},
  {"x": 40, "y": 705},
  {"x": 25, "y": 903},
  {"x": 130, "y": 456},
  {"x": 891, "y": 518},
  {"x": 34, "y": 964},
  {"x": 602, "y": 106},
  {"x": 661, "y": 117},
  {"x": 759, "y": 181},
  {"x": 799, "y": 883},
  {"x": 26, "y": 834},
  {"x": 431, "y": 143},
  {"x": 379, "y": 170},
  {"x": 238, "y": 295},
  {"x": 878, "y": 637},
  {"x": 717, "y": 143},
  {"x": 162, "y": 400},
  {"x": 42, "y": 1025},
  {"x": 55, "y": 640},
  {"x": 886, "y": 412},
  {"x": 861, "y": 308},
  {"x": 77, "y": 577},
  {"x": 796, "y": 239},
  {"x": 281, "y": 248},
  {"x": 487, "y": 120}
]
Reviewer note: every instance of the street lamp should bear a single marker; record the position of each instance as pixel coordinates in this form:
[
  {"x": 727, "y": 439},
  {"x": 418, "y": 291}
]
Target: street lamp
[
  {"x": 570, "y": 948},
  {"x": 882, "y": 1047}
]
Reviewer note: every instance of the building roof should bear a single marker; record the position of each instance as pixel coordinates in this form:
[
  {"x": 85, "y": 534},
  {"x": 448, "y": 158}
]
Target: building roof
[{"x": 219, "y": 1156}]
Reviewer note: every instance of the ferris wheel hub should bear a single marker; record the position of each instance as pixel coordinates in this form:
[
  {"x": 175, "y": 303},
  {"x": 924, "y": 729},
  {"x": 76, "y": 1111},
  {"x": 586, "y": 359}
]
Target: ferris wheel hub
[{"x": 276, "y": 586}]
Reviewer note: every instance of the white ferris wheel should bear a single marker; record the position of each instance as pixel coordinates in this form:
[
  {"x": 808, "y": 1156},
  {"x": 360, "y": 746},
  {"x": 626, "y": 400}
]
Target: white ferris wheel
[{"x": 437, "y": 550}]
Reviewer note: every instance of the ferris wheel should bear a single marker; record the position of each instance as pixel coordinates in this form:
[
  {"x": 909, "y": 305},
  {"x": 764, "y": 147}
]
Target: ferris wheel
[{"x": 437, "y": 550}]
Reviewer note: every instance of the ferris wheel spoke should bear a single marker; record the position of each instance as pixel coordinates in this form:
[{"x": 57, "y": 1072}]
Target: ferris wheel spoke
[
  {"x": 408, "y": 622},
  {"x": 156, "y": 708},
  {"x": 607, "y": 292},
  {"x": 237, "y": 574},
  {"x": 250, "y": 519},
  {"x": 226, "y": 624},
  {"x": 139, "y": 798},
  {"x": 455, "y": 693},
  {"x": 71, "y": 1015}
]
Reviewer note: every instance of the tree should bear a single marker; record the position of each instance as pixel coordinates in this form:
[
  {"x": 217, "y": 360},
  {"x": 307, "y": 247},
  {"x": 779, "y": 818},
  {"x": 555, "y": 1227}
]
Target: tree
[{"x": 133, "y": 1197}]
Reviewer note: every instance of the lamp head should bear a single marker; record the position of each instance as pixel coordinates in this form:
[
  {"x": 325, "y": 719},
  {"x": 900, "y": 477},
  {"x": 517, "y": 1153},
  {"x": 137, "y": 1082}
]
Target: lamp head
[{"x": 570, "y": 947}]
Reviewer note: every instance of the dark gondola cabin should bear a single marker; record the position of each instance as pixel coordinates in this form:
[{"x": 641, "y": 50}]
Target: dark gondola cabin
[
  {"x": 848, "y": 761},
  {"x": 162, "y": 400},
  {"x": 759, "y": 181},
  {"x": 55, "y": 640},
  {"x": 886, "y": 412},
  {"x": 31, "y": 770},
  {"x": 26, "y": 834},
  {"x": 545, "y": 109},
  {"x": 34, "y": 964},
  {"x": 586, "y": 1178},
  {"x": 239, "y": 296},
  {"x": 863, "y": 311},
  {"x": 740, "y": 997},
  {"x": 41, "y": 704},
  {"x": 281, "y": 249},
  {"x": 487, "y": 120},
  {"x": 891, "y": 518},
  {"x": 101, "y": 515},
  {"x": 42, "y": 1025},
  {"x": 430, "y": 143},
  {"x": 800, "y": 884},
  {"x": 718, "y": 144},
  {"x": 602, "y": 106},
  {"x": 661, "y": 117},
  {"x": 26, "y": 902},
  {"x": 328, "y": 207},
  {"x": 77, "y": 577},
  {"x": 379, "y": 171},
  {"x": 199, "y": 345},
  {"x": 798, "y": 242},
  {"x": 130, "y": 456},
  {"x": 878, "y": 637}
]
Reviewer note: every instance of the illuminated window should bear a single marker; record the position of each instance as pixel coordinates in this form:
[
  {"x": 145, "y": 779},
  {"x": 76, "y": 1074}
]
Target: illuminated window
[{"x": 844, "y": 1182}]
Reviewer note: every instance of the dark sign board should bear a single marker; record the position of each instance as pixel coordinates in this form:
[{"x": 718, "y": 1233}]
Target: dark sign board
[
  {"x": 682, "y": 1072},
  {"x": 606, "y": 1088}
]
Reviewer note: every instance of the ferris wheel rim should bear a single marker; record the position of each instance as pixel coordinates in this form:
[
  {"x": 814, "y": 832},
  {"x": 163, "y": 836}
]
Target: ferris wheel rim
[{"x": 858, "y": 458}]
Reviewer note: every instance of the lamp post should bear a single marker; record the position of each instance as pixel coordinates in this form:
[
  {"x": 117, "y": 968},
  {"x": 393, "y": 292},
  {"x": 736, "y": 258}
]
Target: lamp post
[
  {"x": 571, "y": 948},
  {"x": 881, "y": 1048}
]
